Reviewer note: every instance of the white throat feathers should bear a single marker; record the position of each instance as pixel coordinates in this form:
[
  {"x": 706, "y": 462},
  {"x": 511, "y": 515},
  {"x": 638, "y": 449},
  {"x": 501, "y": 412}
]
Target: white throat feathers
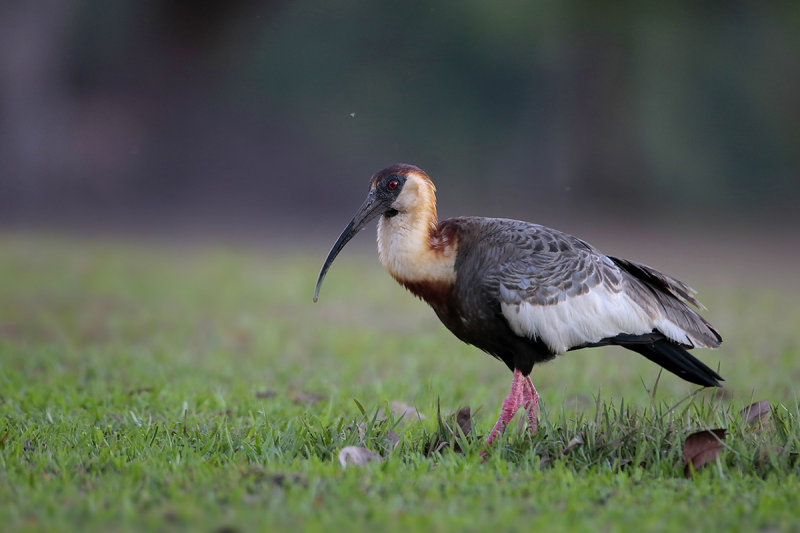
[{"x": 408, "y": 244}]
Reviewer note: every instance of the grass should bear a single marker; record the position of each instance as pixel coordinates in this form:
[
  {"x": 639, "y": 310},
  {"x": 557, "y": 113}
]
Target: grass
[{"x": 152, "y": 387}]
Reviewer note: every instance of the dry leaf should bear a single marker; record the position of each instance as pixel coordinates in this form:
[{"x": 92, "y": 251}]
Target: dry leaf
[
  {"x": 575, "y": 441},
  {"x": 447, "y": 434},
  {"x": 392, "y": 438},
  {"x": 571, "y": 445},
  {"x": 464, "y": 420},
  {"x": 406, "y": 411},
  {"x": 357, "y": 455},
  {"x": 758, "y": 416},
  {"x": 700, "y": 448},
  {"x": 756, "y": 411},
  {"x": 307, "y": 397},
  {"x": 401, "y": 412},
  {"x": 266, "y": 394}
]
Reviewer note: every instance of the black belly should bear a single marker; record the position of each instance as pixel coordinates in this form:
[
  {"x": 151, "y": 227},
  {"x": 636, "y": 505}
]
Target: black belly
[
  {"x": 481, "y": 325},
  {"x": 492, "y": 334}
]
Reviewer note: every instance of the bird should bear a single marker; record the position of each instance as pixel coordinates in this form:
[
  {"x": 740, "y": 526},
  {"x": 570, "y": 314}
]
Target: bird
[{"x": 525, "y": 293}]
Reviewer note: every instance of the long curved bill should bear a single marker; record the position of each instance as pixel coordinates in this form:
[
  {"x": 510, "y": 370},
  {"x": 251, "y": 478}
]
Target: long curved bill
[{"x": 370, "y": 209}]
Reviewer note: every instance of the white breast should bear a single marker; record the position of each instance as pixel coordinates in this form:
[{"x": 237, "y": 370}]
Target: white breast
[{"x": 404, "y": 250}]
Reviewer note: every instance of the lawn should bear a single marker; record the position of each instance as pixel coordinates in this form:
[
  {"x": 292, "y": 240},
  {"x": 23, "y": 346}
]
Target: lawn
[{"x": 152, "y": 386}]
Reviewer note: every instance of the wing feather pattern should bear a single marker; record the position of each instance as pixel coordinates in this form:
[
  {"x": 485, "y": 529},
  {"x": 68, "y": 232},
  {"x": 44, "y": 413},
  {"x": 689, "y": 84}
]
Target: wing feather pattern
[{"x": 556, "y": 288}]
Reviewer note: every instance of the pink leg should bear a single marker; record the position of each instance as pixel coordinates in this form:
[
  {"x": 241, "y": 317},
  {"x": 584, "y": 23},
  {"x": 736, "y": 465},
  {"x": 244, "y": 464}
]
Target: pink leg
[
  {"x": 510, "y": 405},
  {"x": 530, "y": 399}
]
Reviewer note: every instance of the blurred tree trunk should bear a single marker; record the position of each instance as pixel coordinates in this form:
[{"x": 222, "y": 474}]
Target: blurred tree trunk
[{"x": 33, "y": 106}]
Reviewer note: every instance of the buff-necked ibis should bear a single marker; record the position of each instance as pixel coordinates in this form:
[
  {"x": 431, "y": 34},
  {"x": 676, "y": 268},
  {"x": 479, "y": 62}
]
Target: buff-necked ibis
[{"x": 525, "y": 293}]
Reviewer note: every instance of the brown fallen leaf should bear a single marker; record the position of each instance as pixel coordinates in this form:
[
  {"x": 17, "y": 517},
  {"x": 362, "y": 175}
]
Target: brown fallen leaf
[
  {"x": 574, "y": 441},
  {"x": 441, "y": 446},
  {"x": 392, "y": 438},
  {"x": 361, "y": 427},
  {"x": 266, "y": 394},
  {"x": 700, "y": 448},
  {"x": 306, "y": 397},
  {"x": 401, "y": 413},
  {"x": 357, "y": 456},
  {"x": 571, "y": 445},
  {"x": 400, "y": 409},
  {"x": 758, "y": 416},
  {"x": 448, "y": 436},
  {"x": 464, "y": 420}
]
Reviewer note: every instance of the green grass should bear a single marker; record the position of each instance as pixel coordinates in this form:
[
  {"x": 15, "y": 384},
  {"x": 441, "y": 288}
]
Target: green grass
[{"x": 183, "y": 387}]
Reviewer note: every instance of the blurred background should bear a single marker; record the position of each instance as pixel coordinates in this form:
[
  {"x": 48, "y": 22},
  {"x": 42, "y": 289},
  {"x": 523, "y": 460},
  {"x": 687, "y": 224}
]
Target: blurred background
[
  {"x": 173, "y": 173},
  {"x": 268, "y": 118}
]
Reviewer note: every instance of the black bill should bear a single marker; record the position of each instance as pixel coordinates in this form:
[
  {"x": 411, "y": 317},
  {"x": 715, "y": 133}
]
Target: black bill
[{"x": 370, "y": 209}]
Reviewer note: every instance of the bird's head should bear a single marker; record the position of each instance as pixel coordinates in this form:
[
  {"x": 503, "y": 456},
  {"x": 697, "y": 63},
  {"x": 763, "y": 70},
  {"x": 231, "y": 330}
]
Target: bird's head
[{"x": 396, "y": 190}]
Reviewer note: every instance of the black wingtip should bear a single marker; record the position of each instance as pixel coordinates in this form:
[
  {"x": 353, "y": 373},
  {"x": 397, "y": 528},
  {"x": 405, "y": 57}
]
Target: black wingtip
[{"x": 678, "y": 361}]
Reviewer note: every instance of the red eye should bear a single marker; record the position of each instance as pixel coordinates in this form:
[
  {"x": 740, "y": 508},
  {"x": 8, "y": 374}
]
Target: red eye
[{"x": 392, "y": 184}]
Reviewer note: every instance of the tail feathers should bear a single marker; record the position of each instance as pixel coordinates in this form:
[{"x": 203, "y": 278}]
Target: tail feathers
[
  {"x": 668, "y": 298},
  {"x": 660, "y": 281},
  {"x": 677, "y": 360}
]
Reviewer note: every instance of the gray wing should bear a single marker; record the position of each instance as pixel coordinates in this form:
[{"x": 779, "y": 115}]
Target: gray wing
[{"x": 557, "y": 288}]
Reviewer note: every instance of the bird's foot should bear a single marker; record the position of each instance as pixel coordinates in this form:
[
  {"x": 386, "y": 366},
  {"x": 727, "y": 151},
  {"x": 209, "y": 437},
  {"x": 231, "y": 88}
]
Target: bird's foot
[
  {"x": 523, "y": 393},
  {"x": 511, "y": 405},
  {"x": 530, "y": 399}
]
